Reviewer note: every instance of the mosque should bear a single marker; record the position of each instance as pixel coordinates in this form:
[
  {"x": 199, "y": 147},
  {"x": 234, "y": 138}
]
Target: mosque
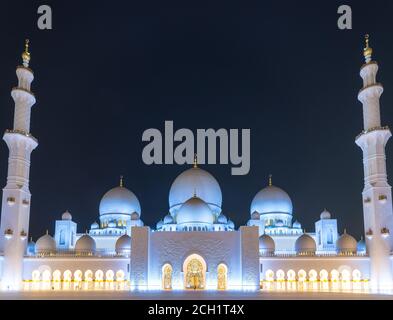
[{"x": 195, "y": 245}]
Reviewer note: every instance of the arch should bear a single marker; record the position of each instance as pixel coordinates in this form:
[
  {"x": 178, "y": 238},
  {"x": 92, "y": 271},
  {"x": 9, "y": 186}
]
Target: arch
[
  {"x": 269, "y": 275},
  {"x": 312, "y": 275},
  {"x": 120, "y": 275},
  {"x": 36, "y": 275},
  {"x": 302, "y": 275},
  {"x": 78, "y": 275},
  {"x": 56, "y": 275},
  {"x": 222, "y": 274},
  {"x": 67, "y": 275},
  {"x": 356, "y": 275},
  {"x": 345, "y": 275},
  {"x": 46, "y": 275},
  {"x": 291, "y": 275},
  {"x": 280, "y": 275},
  {"x": 194, "y": 270},
  {"x": 109, "y": 275},
  {"x": 99, "y": 275},
  {"x": 334, "y": 275},
  {"x": 166, "y": 273},
  {"x": 323, "y": 275},
  {"x": 88, "y": 275}
]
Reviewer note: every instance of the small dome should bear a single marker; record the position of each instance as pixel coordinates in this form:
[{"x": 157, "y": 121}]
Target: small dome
[
  {"x": 119, "y": 200},
  {"x": 66, "y": 216},
  {"x": 271, "y": 200},
  {"x": 159, "y": 224},
  {"x": 230, "y": 224},
  {"x": 123, "y": 244},
  {"x": 94, "y": 225},
  {"x": 195, "y": 210},
  {"x": 266, "y": 244},
  {"x": 195, "y": 180},
  {"x": 255, "y": 215},
  {"x": 134, "y": 216},
  {"x": 222, "y": 219},
  {"x": 296, "y": 225},
  {"x": 45, "y": 244},
  {"x": 346, "y": 244},
  {"x": 279, "y": 223},
  {"x": 325, "y": 214},
  {"x": 305, "y": 245},
  {"x": 85, "y": 244},
  {"x": 168, "y": 219},
  {"x": 361, "y": 246}
]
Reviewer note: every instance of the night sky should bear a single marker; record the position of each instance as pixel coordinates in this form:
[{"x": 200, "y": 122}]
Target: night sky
[{"x": 108, "y": 71}]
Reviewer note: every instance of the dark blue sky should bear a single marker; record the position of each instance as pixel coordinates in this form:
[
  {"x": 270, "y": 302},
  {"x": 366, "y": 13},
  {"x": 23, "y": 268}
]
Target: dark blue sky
[{"x": 108, "y": 71}]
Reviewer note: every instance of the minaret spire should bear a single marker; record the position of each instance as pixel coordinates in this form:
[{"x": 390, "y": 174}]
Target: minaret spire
[
  {"x": 121, "y": 181},
  {"x": 270, "y": 180},
  {"x": 15, "y": 210},
  {"x": 195, "y": 160},
  {"x": 377, "y": 195}
]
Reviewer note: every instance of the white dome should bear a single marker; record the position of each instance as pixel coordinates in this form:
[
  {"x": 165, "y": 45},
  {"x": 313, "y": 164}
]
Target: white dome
[
  {"x": 123, "y": 244},
  {"x": 85, "y": 244},
  {"x": 66, "y": 216},
  {"x": 222, "y": 219},
  {"x": 325, "y": 214},
  {"x": 266, "y": 244},
  {"x": 271, "y": 200},
  {"x": 231, "y": 224},
  {"x": 346, "y": 244},
  {"x": 94, "y": 225},
  {"x": 31, "y": 248},
  {"x": 45, "y": 244},
  {"x": 191, "y": 181},
  {"x": 305, "y": 244},
  {"x": 297, "y": 225},
  {"x": 168, "y": 219},
  {"x": 195, "y": 210},
  {"x": 361, "y": 246},
  {"x": 159, "y": 224},
  {"x": 119, "y": 200}
]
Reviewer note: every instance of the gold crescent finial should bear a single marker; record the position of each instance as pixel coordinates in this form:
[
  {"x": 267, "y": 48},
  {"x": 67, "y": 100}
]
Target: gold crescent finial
[
  {"x": 270, "y": 179},
  {"x": 367, "y": 51},
  {"x": 121, "y": 181},
  {"x": 195, "y": 160},
  {"x": 26, "y": 54}
]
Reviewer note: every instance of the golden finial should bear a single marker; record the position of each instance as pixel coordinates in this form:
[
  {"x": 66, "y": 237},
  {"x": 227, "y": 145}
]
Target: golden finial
[
  {"x": 26, "y": 54},
  {"x": 47, "y": 231},
  {"x": 367, "y": 51},
  {"x": 195, "y": 193},
  {"x": 270, "y": 180},
  {"x": 31, "y": 239},
  {"x": 121, "y": 181},
  {"x": 195, "y": 160},
  {"x": 345, "y": 231}
]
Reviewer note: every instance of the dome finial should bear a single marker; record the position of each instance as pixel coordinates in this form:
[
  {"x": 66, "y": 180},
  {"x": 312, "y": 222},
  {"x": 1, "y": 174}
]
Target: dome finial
[
  {"x": 195, "y": 160},
  {"x": 47, "y": 231},
  {"x": 367, "y": 51},
  {"x": 26, "y": 54},
  {"x": 270, "y": 180},
  {"x": 345, "y": 231},
  {"x": 121, "y": 181},
  {"x": 194, "y": 193}
]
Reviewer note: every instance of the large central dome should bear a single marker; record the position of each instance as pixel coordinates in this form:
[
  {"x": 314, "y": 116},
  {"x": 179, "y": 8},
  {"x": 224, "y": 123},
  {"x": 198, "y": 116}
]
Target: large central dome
[
  {"x": 271, "y": 199},
  {"x": 195, "y": 210},
  {"x": 119, "y": 200},
  {"x": 195, "y": 181}
]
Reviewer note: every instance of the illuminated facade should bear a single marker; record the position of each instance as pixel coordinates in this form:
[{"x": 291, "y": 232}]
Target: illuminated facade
[{"x": 195, "y": 245}]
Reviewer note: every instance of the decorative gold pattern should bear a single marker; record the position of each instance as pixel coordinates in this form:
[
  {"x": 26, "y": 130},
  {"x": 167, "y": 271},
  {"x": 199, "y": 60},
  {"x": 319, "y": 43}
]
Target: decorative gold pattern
[
  {"x": 167, "y": 277},
  {"x": 221, "y": 277},
  {"x": 26, "y": 54},
  {"x": 367, "y": 51},
  {"x": 194, "y": 275}
]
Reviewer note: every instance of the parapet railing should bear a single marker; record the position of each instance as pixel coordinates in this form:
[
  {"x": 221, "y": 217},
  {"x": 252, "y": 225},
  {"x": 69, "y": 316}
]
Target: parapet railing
[{"x": 100, "y": 253}]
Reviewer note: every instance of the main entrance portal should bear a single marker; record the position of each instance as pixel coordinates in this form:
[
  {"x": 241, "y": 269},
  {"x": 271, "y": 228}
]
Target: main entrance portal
[{"x": 194, "y": 270}]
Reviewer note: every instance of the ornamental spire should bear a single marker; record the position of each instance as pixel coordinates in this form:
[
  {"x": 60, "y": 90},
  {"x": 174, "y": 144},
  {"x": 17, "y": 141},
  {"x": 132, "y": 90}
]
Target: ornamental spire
[
  {"x": 270, "y": 180},
  {"x": 121, "y": 181},
  {"x": 367, "y": 51},
  {"x": 26, "y": 54},
  {"x": 195, "y": 160}
]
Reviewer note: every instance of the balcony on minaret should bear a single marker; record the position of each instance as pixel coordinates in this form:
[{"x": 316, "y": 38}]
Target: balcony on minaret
[
  {"x": 385, "y": 232},
  {"x": 382, "y": 198},
  {"x": 369, "y": 234},
  {"x": 8, "y": 234},
  {"x": 11, "y": 201}
]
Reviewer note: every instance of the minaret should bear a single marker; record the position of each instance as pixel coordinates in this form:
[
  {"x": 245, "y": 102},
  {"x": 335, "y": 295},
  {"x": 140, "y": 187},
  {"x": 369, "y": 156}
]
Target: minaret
[
  {"x": 15, "y": 208},
  {"x": 377, "y": 196}
]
